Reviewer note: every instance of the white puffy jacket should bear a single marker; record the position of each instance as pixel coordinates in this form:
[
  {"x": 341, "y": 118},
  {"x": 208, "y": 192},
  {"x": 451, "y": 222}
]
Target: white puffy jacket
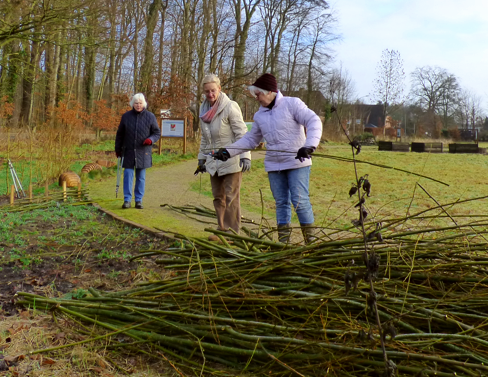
[{"x": 283, "y": 127}]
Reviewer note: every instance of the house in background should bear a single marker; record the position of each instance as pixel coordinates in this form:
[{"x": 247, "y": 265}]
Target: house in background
[
  {"x": 374, "y": 122},
  {"x": 371, "y": 115}
]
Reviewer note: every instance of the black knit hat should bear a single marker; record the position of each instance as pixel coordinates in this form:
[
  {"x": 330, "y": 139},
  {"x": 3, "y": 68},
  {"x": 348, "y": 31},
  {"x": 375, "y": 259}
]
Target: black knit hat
[{"x": 267, "y": 82}]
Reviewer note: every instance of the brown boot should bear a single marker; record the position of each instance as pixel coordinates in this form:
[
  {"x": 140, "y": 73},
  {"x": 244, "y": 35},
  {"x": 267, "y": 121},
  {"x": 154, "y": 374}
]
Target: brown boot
[
  {"x": 284, "y": 232},
  {"x": 308, "y": 231}
]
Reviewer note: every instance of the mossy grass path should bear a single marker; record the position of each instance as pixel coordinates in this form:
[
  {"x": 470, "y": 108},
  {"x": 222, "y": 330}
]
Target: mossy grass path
[{"x": 170, "y": 184}]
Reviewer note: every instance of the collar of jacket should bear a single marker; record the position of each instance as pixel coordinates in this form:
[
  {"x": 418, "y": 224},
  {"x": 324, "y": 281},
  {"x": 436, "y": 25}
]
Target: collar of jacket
[
  {"x": 278, "y": 99},
  {"x": 136, "y": 112}
]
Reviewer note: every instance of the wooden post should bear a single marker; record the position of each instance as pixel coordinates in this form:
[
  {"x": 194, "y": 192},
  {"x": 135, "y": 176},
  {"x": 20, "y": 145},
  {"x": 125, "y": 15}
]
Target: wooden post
[
  {"x": 12, "y": 191},
  {"x": 64, "y": 191},
  {"x": 30, "y": 192},
  {"x": 46, "y": 189},
  {"x": 79, "y": 190},
  {"x": 160, "y": 121},
  {"x": 184, "y": 136}
]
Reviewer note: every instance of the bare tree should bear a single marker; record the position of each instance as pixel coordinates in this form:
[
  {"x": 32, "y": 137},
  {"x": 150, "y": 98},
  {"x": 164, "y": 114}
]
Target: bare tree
[
  {"x": 340, "y": 91},
  {"x": 448, "y": 103},
  {"x": 469, "y": 112},
  {"x": 243, "y": 11},
  {"x": 430, "y": 85},
  {"x": 296, "y": 47},
  {"x": 159, "y": 73},
  {"x": 317, "y": 49},
  {"x": 276, "y": 16},
  {"x": 152, "y": 16},
  {"x": 388, "y": 86}
]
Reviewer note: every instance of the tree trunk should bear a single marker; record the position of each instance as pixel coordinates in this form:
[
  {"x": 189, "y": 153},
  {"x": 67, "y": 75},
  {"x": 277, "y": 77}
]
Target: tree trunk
[
  {"x": 161, "y": 46},
  {"x": 61, "y": 72},
  {"x": 135, "y": 44},
  {"x": 201, "y": 53},
  {"x": 53, "y": 82},
  {"x": 242, "y": 32},
  {"x": 89, "y": 77},
  {"x": 49, "y": 64},
  {"x": 109, "y": 86},
  {"x": 147, "y": 65},
  {"x": 30, "y": 71},
  {"x": 215, "y": 38},
  {"x": 13, "y": 72}
]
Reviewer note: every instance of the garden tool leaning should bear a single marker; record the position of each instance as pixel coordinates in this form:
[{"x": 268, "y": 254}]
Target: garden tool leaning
[
  {"x": 15, "y": 178},
  {"x": 120, "y": 162}
]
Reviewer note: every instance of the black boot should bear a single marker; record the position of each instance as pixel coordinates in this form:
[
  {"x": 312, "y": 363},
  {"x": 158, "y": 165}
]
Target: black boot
[
  {"x": 284, "y": 232},
  {"x": 308, "y": 231}
]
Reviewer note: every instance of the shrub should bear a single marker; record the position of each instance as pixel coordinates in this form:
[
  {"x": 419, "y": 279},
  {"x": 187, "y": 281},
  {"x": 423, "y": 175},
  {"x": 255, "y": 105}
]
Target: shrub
[
  {"x": 366, "y": 136},
  {"x": 483, "y": 136}
]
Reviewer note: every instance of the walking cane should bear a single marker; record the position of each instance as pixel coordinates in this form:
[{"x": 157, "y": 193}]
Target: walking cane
[
  {"x": 15, "y": 178},
  {"x": 120, "y": 162}
]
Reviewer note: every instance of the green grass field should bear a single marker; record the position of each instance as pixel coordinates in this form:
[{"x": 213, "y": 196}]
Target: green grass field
[{"x": 394, "y": 194}]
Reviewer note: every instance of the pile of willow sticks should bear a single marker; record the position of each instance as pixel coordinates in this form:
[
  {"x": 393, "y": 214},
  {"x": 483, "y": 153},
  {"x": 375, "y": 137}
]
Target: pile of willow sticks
[
  {"x": 71, "y": 196},
  {"x": 253, "y": 306}
]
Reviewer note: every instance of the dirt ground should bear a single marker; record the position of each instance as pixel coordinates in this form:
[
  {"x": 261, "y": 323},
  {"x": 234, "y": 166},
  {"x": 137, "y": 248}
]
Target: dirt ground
[
  {"x": 46, "y": 251},
  {"x": 57, "y": 250},
  {"x": 61, "y": 251}
]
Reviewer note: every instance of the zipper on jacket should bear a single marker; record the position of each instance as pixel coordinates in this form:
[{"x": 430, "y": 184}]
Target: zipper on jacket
[{"x": 135, "y": 139}]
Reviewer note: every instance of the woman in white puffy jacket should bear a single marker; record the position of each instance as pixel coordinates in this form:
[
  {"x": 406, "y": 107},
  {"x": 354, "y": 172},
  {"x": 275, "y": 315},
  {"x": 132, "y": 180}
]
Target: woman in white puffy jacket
[
  {"x": 221, "y": 124},
  {"x": 282, "y": 121}
]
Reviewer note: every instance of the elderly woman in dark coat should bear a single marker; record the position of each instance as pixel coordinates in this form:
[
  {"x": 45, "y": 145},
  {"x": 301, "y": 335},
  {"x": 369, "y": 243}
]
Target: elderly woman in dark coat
[{"x": 138, "y": 130}]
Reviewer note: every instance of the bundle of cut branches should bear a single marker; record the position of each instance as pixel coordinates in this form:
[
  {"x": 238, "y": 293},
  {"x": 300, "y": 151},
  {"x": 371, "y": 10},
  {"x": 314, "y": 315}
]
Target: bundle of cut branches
[{"x": 252, "y": 305}]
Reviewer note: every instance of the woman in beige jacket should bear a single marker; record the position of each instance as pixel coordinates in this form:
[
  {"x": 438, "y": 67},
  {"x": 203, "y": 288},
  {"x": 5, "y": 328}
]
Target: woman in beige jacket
[{"x": 221, "y": 124}]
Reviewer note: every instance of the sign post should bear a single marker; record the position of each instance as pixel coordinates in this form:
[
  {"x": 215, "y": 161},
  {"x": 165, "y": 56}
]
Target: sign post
[
  {"x": 399, "y": 134},
  {"x": 173, "y": 128},
  {"x": 164, "y": 114}
]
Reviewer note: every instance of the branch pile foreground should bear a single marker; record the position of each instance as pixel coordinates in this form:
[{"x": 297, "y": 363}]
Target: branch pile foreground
[{"x": 259, "y": 307}]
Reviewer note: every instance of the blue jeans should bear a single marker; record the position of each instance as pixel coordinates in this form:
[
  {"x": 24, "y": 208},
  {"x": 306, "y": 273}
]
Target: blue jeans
[
  {"x": 129, "y": 181},
  {"x": 291, "y": 186}
]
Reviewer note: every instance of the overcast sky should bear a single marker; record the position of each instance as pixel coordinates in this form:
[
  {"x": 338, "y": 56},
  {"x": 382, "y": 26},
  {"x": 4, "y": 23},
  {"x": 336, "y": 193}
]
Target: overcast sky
[{"x": 451, "y": 34}]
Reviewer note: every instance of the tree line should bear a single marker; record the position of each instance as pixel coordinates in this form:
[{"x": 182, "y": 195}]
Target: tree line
[
  {"x": 80, "y": 59},
  {"x": 436, "y": 103},
  {"x": 74, "y": 63}
]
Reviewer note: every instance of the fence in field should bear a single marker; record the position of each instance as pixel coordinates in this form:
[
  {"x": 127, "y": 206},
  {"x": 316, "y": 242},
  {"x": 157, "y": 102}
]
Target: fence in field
[
  {"x": 430, "y": 147},
  {"x": 18, "y": 197}
]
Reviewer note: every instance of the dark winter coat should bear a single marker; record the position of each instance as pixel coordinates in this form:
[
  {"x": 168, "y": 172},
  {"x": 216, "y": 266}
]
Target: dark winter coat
[{"x": 134, "y": 128}]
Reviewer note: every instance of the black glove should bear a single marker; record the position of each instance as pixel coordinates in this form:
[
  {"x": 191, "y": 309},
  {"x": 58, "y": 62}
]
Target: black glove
[
  {"x": 201, "y": 167},
  {"x": 304, "y": 152},
  {"x": 222, "y": 154}
]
